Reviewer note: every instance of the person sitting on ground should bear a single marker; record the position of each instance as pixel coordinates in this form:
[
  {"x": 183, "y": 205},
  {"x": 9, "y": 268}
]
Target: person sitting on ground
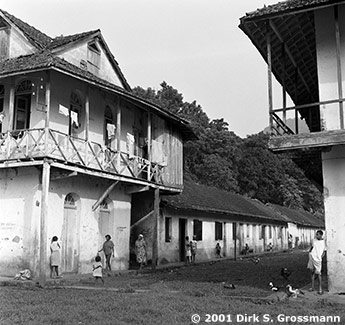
[{"x": 269, "y": 247}]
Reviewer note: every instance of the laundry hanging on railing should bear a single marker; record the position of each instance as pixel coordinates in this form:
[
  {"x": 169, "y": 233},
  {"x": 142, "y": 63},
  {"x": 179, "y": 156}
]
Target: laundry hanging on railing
[
  {"x": 63, "y": 110},
  {"x": 130, "y": 144},
  {"x": 111, "y": 128},
  {"x": 74, "y": 118}
]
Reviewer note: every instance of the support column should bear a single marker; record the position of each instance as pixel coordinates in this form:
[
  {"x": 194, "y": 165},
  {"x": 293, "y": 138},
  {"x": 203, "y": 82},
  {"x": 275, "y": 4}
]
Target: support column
[
  {"x": 333, "y": 165},
  {"x": 155, "y": 229},
  {"x": 149, "y": 146},
  {"x": 269, "y": 73},
  {"x": 43, "y": 223}
]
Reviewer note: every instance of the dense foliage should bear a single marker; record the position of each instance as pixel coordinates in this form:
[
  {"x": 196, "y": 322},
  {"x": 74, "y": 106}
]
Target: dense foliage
[{"x": 221, "y": 159}]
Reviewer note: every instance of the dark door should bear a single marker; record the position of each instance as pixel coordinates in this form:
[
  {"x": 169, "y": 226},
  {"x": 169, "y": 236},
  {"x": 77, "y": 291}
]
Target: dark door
[{"x": 182, "y": 236}]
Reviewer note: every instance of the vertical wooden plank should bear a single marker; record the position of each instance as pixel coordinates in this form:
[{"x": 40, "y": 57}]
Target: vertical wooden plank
[
  {"x": 47, "y": 110},
  {"x": 149, "y": 144},
  {"x": 339, "y": 74},
  {"x": 296, "y": 92},
  {"x": 269, "y": 73},
  {"x": 11, "y": 107},
  {"x": 43, "y": 223},
  {"x": 284, "y": 82},
  {"x": 155, "y": 229},
  {"x": 118, "y": 132},
  {"x": 87, "y": 113}
]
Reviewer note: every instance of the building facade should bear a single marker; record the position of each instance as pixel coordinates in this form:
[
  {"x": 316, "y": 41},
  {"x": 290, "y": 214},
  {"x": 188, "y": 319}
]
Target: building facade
[
  {"x": 75, "y": 146},
  {"x": 215, "y": 216},
  {"x": 303, "y": 45}
]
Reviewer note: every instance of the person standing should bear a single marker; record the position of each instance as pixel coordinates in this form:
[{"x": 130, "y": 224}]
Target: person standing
[
  {"x": 193, "y": 248},
  {"x": 108, "y": 249},
  {"x": 97, "y": 269},
  {"x": 188, "y": 251},
  {"x": 55, "y": 257},
  {"x": 316, "y": 253},
  {"x": 140, "y": 251}
]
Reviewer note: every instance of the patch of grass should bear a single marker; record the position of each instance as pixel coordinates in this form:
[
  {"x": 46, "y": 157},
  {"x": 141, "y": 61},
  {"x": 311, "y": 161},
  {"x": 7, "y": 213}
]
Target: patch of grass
[{"x": 173, "y": 297}]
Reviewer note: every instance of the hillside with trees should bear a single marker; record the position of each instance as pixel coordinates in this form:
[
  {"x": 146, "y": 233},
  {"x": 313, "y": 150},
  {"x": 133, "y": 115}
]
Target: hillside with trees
[{"x": 221, "y": 159}]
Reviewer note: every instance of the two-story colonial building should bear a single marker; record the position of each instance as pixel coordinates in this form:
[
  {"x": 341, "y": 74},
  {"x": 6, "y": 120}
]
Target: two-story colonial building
[
  {"x": 78, "y": 150},
  {"x": 303, "y": 43}
]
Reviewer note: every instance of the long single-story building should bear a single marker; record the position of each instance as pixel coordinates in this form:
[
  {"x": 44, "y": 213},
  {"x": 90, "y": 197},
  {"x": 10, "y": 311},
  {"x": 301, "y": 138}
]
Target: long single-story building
[{"x": 216, "y": 216}]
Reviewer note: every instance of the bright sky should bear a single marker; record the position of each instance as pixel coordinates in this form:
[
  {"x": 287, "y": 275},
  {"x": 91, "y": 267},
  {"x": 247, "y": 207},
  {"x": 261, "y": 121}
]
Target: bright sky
[{"x": 193, "y": 45}]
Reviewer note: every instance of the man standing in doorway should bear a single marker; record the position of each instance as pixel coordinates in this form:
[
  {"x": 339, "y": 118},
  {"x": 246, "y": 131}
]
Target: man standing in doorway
[{"x": 108, "y": 249}]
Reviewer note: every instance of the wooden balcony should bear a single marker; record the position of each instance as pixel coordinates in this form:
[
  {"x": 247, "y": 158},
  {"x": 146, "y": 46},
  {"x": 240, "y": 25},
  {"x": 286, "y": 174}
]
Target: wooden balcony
[
  {"x": 36, "y": 144},
  {"x": 324, "y": 126}
]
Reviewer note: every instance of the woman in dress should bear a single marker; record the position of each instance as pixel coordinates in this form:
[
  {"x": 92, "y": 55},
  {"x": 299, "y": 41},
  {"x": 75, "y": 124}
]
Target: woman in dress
[
  {"x": 55, "y": 257},
  {"x": 140, "y": 250}
]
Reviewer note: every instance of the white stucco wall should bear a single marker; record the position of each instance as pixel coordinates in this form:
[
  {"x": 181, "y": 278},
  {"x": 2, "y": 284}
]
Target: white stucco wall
[
  {"x": 20, "y": 201},
  {"x": 19, "y": 219},
  {"x": 333, "y": 165},
  {"x": 327, "y": 63}
]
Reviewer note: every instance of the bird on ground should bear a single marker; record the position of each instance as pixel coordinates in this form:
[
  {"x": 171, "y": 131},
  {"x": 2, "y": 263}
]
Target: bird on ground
[
  {"x": 273, "y": 287},
  {"x": 255, "y": 260},
  {"x": 229, "y": 285},
  {"x": 293, "y": 292},
  {"x": 285, "y": 273}
]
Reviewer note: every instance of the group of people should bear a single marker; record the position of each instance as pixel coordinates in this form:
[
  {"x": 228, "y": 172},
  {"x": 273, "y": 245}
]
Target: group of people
[
  {"x": 190, "y": 250},
  {"x": 316, "y": 253},
  {"x": 97, "y": 267}
]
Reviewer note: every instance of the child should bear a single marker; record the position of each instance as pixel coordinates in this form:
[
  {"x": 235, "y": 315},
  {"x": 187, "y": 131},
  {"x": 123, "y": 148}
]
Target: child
[
  {"x": 55, "y": 257},
  {"x": 97, "y": 269},
  {"x": 316, "y": 253},
  {"x": 188, "y": 252},
  {"x": 218, "y": 250}
]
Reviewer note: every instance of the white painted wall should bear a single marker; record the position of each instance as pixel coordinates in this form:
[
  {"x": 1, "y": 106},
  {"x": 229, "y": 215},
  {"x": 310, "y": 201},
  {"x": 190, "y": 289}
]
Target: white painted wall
[
  {"x": 327, "y": 64},
  {"x": 334, "y": 160},
  {"x": 20, "y": 200},
  {"x": 333, "y": 165}
]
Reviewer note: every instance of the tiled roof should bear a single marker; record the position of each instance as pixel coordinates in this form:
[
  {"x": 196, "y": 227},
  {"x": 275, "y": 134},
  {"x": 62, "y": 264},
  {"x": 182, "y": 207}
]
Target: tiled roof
[
  {"x": 209, "y": 199},
  {"x": 203, "y": 198},
  {"x": 287, "y": 6},
  {"x": 300, "y": 217},
  {"x": 37, "y": 38},
  {"x": 63, "y": 40}
]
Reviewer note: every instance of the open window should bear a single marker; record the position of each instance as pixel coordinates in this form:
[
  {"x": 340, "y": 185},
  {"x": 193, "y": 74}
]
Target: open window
[{"x": 93, "y": 55}]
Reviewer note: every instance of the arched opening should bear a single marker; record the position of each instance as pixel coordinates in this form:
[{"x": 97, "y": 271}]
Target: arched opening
[{"x": 70, "y": 234}]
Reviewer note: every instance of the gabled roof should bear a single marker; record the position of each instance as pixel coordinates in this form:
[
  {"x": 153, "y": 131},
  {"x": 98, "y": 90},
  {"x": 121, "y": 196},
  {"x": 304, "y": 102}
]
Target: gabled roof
[
  {"x": 60, "y": 41},
  {"x": 300, "y": 217},
  {"x": 43, "y": 42},
  {"x": 35, "y": 37},
  {"x": 207, "y": 199}
]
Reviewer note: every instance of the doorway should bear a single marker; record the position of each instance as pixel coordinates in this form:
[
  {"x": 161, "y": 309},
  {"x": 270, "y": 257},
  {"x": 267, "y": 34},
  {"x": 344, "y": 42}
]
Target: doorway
[
  {"x": 69, "y": 236},
  {"x": 182, "y": 236}
]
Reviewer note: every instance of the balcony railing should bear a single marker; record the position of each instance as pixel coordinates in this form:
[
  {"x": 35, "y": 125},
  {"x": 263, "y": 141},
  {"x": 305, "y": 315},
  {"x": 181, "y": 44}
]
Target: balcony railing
[
  {"x": 35, "y": 144},
  {"x": 326, "y": 115}
]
